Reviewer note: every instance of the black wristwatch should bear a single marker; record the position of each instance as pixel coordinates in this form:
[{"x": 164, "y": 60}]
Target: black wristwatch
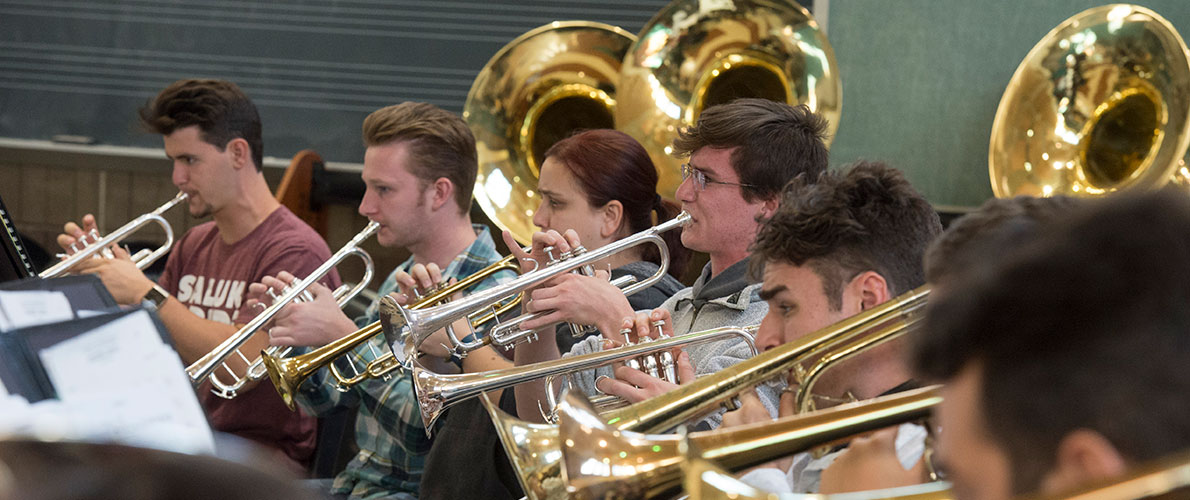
[{"x": 157, "y": 295}]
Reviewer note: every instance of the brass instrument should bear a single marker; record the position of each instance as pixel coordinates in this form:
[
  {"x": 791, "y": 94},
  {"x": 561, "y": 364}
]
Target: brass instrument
[
  {"x": 695, "y": 54},
  {"x": 437, "y": 392},
  {"x": 584, "y": 457},
  {"x": 289, "y": 373},
  {"x": 205, "y": 367},
  {"x": 661, "y": 413},
  {"x": 537, "y": 90},
  {"x": 406, "y": 328},
  {"x": 1165, "y": 479},
  {"x": 1100, "y": 104},
  {"x": 92, "y": 244},
  {"x": 899, "y": 315},
  {"x": 703, "y": 480}
]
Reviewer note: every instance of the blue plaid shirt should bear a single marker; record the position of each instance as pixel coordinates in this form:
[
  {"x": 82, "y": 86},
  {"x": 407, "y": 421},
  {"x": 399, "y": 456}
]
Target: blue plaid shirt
[{"x": 388, "y": 429}]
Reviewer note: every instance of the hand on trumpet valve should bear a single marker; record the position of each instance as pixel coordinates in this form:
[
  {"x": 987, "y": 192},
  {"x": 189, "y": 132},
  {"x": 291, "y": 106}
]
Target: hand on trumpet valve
[
  {"x": 635, "y": 384},
  {"x": 75, "y": 238},
  {"x": 419, "y": 281},
  {"x": 314, "y": 320},
  {"x": 548, "y": 246}
]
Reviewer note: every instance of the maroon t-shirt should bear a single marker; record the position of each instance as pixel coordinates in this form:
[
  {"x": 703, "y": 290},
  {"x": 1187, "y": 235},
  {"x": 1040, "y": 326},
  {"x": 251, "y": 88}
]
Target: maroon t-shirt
[{"x": 211, "y": 278}]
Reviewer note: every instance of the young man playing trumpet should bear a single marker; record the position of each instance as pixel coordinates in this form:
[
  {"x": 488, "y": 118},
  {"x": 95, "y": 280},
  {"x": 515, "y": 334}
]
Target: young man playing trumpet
[
  {"x": 419, "y": 172},
  {"x": 212, "y": 133},
  {"x": 740, "y": 154},
  {"x": 838, "y": 245},
  {"x": 1065, "y": 358}
]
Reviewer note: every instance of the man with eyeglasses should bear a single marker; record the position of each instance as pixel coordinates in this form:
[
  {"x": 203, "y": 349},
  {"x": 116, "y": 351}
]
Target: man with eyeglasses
[{"x": 741, "y": 154}]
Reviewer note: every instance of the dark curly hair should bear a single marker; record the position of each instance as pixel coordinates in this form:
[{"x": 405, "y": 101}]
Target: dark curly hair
[
  {"x": 218, "y": 107},
  {"x": 866, "y": 217}
]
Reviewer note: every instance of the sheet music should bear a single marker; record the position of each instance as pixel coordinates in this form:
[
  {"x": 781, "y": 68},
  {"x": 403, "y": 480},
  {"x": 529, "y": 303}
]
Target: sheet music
[
  {"x": 121, "y": 382},
  {"x": 20, "y": 309}
]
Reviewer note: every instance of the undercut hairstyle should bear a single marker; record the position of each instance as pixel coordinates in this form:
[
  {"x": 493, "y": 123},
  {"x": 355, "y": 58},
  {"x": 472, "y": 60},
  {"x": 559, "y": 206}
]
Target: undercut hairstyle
[
  {"x": 774, "y": 142},
  {"x": 610, "y": 165},
  {"x": 218, "y": 107},
  {"x": 981, "y": 234},
  {"x": 440, "y": 144},
  {"x": 1087, "y": 327},
  {"x": 866, "y": 217}
]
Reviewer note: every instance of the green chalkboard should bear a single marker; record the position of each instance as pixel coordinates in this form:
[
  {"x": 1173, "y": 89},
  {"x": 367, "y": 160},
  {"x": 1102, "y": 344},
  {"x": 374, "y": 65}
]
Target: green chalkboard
[
  {"x": 315, "y": 68},
  {"x": 922, "y": 79}
]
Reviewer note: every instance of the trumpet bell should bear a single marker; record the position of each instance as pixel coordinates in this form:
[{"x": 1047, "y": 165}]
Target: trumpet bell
[
  {"x": 537, "y": 90},
  {"x": 690, "y": 57},
  {"x": 1100, "y": 104}
]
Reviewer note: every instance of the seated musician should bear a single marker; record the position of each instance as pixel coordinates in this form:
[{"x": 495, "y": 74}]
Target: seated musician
[
  {"x": 838, "y": 245},
  {"x": 212, "y": 133},
  {"x": 741, "y": 154},
  {"x": 870, "y": 462},
  {"x": 419, "y": 171},
  {"x": 1065, "y": 359},
  {"x": 602, "y": 185}
]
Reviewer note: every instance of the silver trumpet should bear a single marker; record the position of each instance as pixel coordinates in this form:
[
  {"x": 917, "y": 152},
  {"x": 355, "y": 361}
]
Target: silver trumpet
[
  {"x": 91, "y": 244},
  {"x": 437, "y": 392},
  {"x": 406, "y": 328},
  {"x": 205, "y": 367}
]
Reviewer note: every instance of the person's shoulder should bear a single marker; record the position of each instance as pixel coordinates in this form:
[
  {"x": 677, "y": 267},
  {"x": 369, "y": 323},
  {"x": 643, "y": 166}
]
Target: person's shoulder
[{"x": 290, "y": 231}]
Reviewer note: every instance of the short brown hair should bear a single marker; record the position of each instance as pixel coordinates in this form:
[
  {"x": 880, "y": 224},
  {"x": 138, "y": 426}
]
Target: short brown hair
[
  {"x": 866, "y": 217},
  {"x": 218, "y": 107},
  {"x": 997, "y": 222},
  {"x": 440, "y": 144},
  {"x": 774, "y": 142}
]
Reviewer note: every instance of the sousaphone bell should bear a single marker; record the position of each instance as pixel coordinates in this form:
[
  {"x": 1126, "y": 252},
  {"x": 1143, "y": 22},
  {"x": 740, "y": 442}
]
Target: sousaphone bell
[
  {"x": 540, "y": 88},
  {"x": 1101, "y": 104},
  {"x": 696, "y": 53}
]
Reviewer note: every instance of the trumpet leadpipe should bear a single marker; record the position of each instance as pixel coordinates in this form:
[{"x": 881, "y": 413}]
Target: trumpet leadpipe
[{"x": 141, "y": 259}]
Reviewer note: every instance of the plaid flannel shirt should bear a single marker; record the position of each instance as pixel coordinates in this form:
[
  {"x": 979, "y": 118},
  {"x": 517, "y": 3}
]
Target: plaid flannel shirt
[{"x": 388, "y": 429}]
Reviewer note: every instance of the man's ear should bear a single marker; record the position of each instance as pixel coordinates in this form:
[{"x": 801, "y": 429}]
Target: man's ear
[
  {"x": 769, "y": 206},
  {"x": 1084, "y": 456},
  {"x": 871, "y": 289},
  {"x": 611, "y": 216},
  {"x": 443, "y": 192},
  {"x": 241, "y": 153}
]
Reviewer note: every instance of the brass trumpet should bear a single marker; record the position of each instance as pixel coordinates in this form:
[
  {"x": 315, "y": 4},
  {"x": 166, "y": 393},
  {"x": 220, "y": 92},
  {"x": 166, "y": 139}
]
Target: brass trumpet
[
  {"x": 437, "y": 392},
  {"x": 204, "y": 368},
  {"x": 142, "y": 259},
  {"x": 289, "y": 373},
  {"x": 406, "y": 328},
  {"x": 901, "y": 314},
  {"x": 584, "y": 457}
]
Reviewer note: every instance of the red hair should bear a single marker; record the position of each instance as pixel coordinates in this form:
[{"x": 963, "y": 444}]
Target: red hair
[{"x": 610, "y": 165}]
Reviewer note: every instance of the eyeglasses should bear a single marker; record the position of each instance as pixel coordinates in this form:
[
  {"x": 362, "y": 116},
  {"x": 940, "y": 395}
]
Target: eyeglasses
[{"x": 700, "y": 178}]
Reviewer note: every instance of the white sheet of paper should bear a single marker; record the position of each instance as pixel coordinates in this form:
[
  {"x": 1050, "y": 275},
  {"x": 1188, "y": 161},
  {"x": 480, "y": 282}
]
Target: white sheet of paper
[
  {"x": 24, "y": 308},
  {"x": 120, "y": 381}
]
